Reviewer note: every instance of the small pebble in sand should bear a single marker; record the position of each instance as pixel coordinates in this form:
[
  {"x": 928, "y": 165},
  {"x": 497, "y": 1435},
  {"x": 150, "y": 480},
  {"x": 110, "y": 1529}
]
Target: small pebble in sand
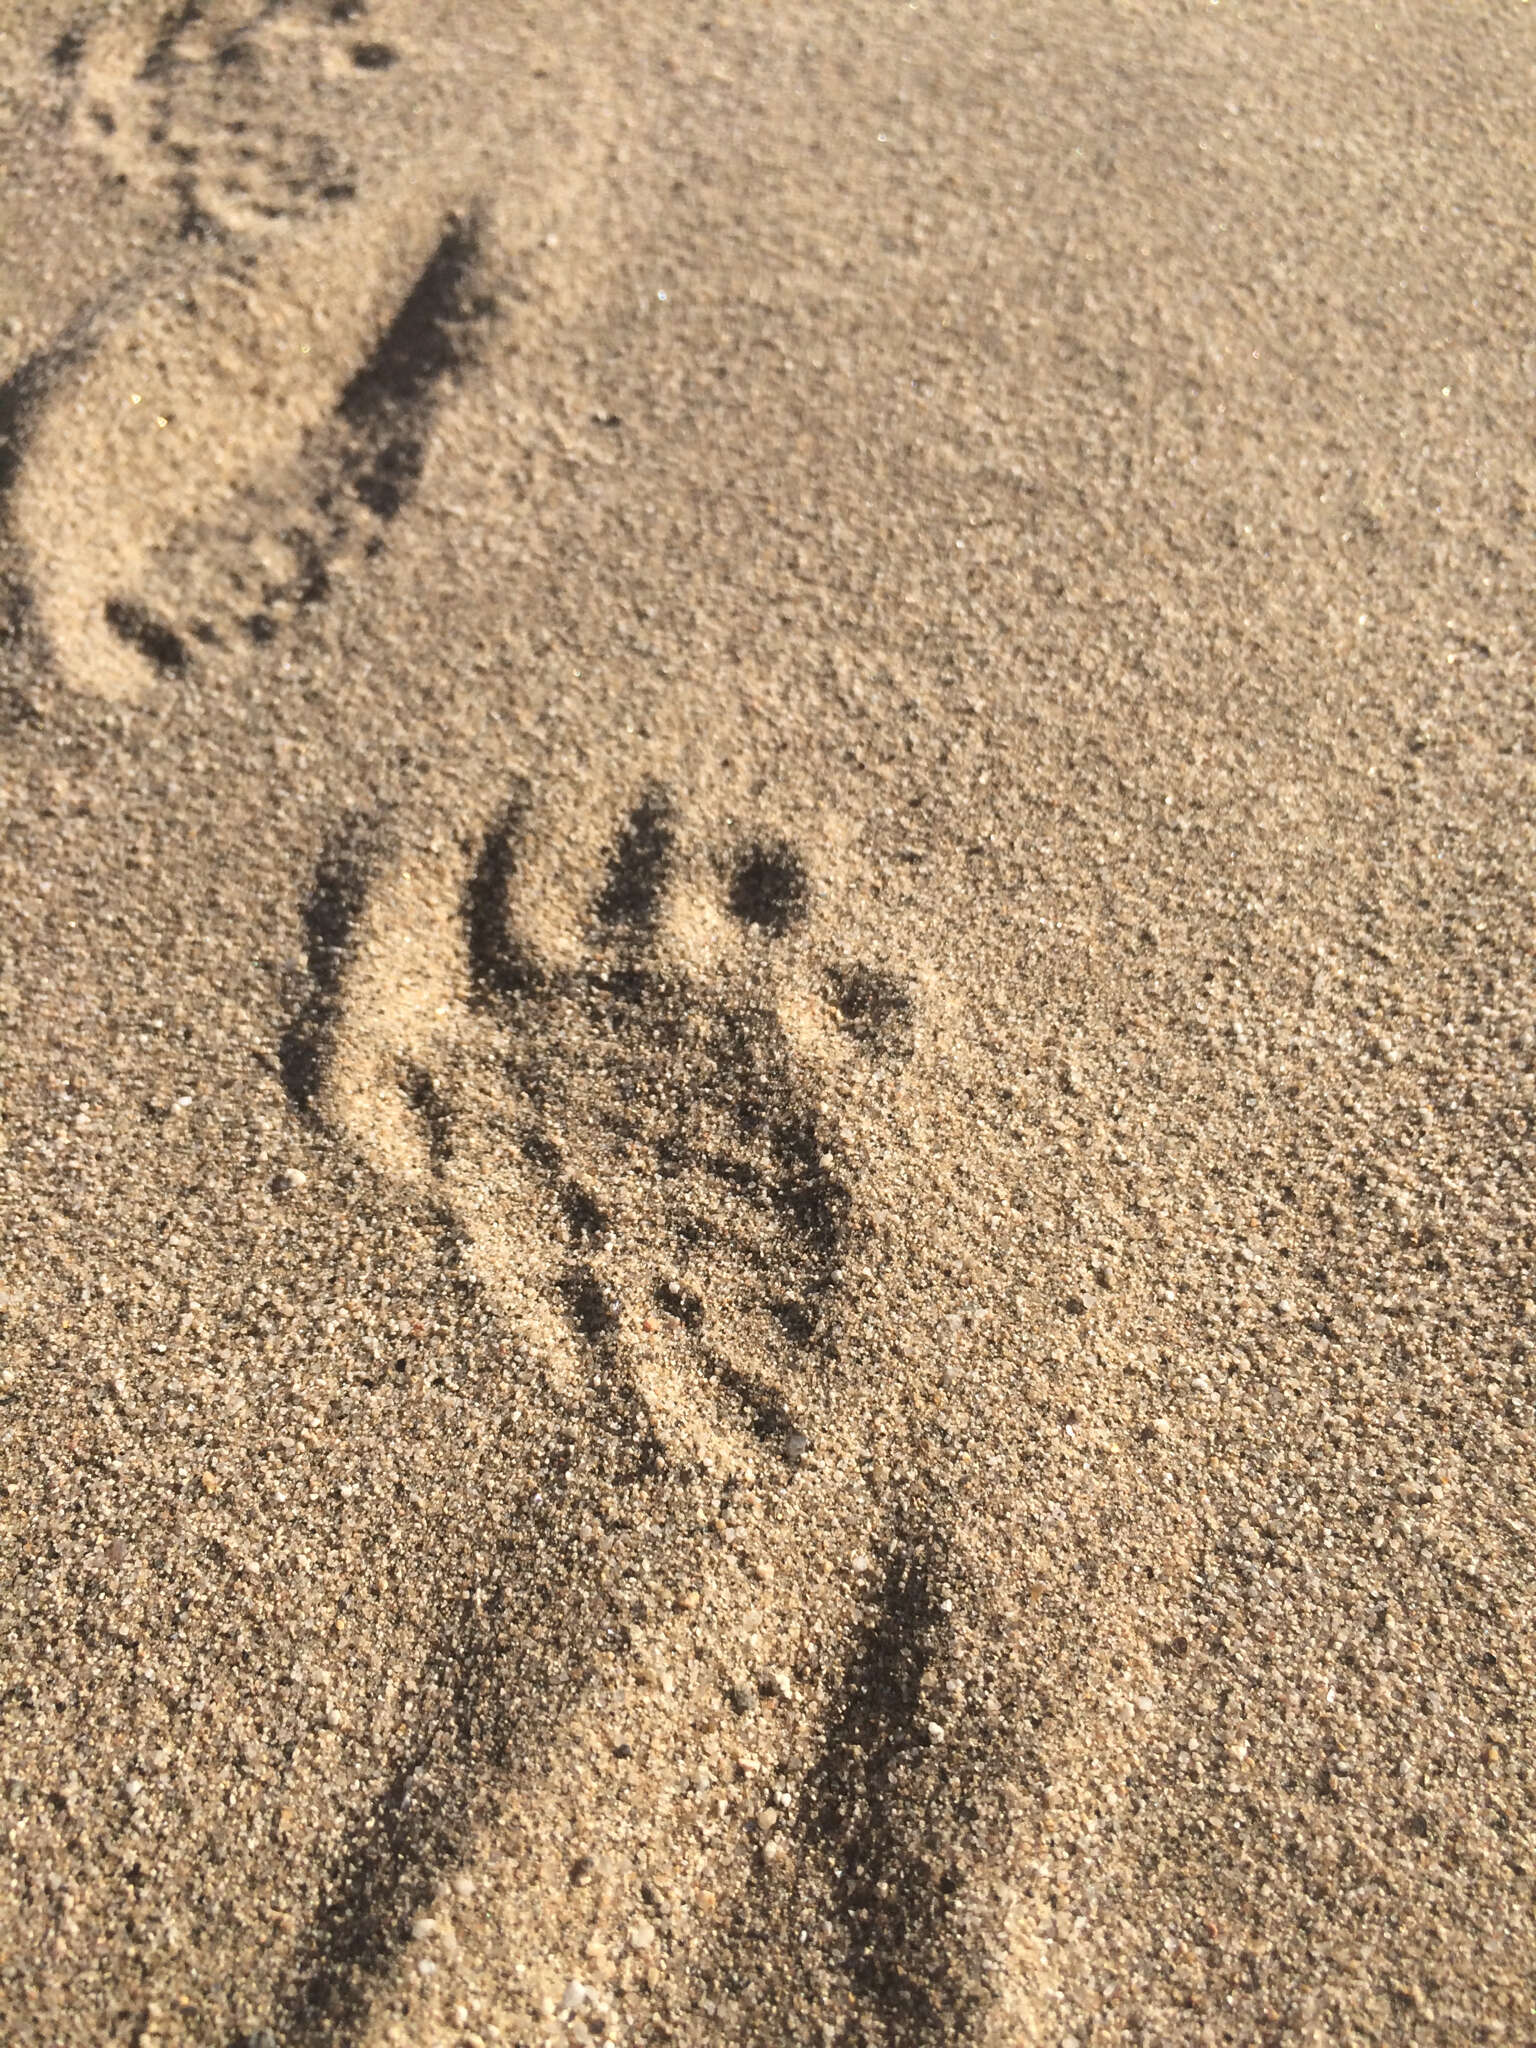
[{"x": 642, "y": 1936}]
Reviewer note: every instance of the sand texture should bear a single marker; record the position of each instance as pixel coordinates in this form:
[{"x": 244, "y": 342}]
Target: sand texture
[{"x": 769, "y": 1080}]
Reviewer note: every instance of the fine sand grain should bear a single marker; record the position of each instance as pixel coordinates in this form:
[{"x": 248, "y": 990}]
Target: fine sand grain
[{"x": 766, "y": 799}]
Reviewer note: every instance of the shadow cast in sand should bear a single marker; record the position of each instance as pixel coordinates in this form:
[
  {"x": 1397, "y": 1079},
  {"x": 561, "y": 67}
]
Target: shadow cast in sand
[
  {"x": 337, "y": 897},
  {"x": 863, "y": 1817}
]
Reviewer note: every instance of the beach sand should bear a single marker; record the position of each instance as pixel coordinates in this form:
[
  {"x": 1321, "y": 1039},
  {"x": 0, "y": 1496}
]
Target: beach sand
[{"x": 765, "y": 1011}]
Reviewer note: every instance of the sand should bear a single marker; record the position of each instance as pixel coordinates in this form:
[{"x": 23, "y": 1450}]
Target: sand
[{"x": 767, "y": 1038}]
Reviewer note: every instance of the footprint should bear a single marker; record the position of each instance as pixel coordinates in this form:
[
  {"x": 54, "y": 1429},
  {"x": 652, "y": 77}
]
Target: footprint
[
  {"x": 629, "y": 1068},
  {"x": 617, "y": 1077},
  {"x": 626, "y": 1129},
  {"x": 234, "y": 427},
  {"x": 171, "y": 548},
  {"x": 239, "y": 115}
]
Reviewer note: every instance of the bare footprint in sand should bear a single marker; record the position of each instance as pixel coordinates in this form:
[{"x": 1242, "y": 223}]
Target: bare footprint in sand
[
  {"x": 628, "y": 1128},
  {"x": 238, "y": 420},
  {"x": 626, "y": 1081},
  {"x": 240, "y": 114}
]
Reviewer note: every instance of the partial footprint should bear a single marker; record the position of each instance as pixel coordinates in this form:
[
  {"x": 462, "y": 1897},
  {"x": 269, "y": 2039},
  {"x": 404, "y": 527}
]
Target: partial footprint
[
  {"x": 128, "y": 579},
  {"x": 218, "y": 442},
  {"x": 627, "y": 1128},
  {"x": 240, "y": 114}
]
